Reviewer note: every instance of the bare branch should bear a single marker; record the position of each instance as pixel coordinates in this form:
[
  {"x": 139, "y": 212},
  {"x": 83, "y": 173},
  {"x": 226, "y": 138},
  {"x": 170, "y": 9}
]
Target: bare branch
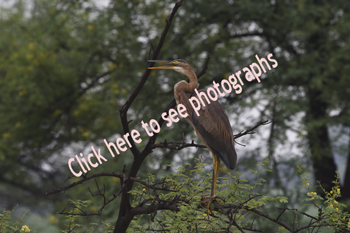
[
  {"x": 180, "y": 146},
  {"x": 177, "y": 146},
  {"x": 250, "y": 131},
  {"x": 82, "y": 181},
  {"x": 205, "y": 67},
  {"x": 124, "y": 217}
]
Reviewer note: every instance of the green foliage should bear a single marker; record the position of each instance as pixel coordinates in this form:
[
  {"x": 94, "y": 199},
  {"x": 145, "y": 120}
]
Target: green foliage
[
  {"x": 179, "y": 204},
  {"x": 190, "y": 186},
  {"x": 333, "y": 212},
  {"x": 78, "y": 207},
  {"x": 66, "y": 67},
  {"x": 9, "y": 225}
]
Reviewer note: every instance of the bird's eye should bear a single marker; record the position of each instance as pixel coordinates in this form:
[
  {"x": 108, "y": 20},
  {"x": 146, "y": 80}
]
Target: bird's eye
[{"x": 176, "y": 62}]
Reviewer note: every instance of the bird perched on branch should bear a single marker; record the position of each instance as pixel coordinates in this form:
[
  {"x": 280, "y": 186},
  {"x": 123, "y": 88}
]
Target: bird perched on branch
[{"x": 212, "y": 125}]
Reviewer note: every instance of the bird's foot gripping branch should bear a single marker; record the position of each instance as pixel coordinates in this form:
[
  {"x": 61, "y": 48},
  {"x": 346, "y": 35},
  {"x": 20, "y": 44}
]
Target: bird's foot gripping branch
[{"x": 195, "y": 105}]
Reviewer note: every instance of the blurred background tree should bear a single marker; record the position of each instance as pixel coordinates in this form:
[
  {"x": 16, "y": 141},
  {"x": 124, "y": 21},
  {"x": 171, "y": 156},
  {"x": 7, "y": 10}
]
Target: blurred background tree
[{"x": 67, "y": 67}]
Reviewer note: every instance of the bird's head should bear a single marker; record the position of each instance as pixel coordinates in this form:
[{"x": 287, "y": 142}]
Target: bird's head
[{"x": 178, "y": 65}]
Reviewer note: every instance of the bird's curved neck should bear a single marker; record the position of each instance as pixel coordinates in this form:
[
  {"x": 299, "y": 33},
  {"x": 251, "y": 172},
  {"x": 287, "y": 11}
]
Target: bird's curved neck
[
  {"x": 187, "y": 87},
  {"x": 183, "y": 87}
]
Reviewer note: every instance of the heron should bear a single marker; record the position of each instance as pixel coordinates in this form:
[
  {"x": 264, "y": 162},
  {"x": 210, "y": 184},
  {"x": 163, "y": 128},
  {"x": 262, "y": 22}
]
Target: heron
[{"x": 212, "y": 125}]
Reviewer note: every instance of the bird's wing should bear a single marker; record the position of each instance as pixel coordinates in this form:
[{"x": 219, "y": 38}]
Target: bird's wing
[{"x": 214, "y": 128}]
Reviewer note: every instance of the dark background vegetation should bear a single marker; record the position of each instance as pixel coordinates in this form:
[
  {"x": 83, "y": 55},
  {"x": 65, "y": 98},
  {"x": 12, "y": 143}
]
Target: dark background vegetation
[{"x": 67, "y": 67}]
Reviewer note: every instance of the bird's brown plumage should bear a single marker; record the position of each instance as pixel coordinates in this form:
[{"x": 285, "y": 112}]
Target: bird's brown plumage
[
  {"x": 212, "y": 125},
  {"x": 215, "y": 131}
]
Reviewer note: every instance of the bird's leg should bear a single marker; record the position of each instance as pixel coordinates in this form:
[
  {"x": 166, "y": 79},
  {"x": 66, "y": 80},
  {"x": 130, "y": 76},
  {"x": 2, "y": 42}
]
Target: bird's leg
[{"x": 216, "y": 165}]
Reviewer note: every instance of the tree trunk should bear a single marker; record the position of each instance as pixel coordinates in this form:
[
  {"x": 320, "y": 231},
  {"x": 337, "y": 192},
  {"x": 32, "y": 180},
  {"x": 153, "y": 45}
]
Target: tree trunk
[
  {"x": 346, "y": 185},
  {"x": 319, "y": 143},
  {"x": 124, "y": 218}
]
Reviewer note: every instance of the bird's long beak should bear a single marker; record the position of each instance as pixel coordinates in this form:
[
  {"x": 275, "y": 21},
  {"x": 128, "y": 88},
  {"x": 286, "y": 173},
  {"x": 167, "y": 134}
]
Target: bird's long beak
[{"x": 168, "y": 65}]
